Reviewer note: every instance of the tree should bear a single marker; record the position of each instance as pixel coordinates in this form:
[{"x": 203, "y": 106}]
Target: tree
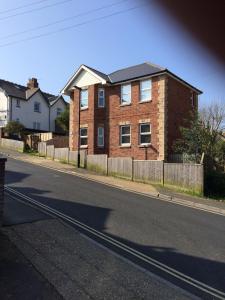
[
  {"x": 62, "y": 121},
  {"x": 15, "y": 128},
  {"x": 204, "y": 134}
]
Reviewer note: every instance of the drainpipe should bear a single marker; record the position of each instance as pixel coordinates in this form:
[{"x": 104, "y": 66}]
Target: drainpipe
[{"x": 78, "y": 136}]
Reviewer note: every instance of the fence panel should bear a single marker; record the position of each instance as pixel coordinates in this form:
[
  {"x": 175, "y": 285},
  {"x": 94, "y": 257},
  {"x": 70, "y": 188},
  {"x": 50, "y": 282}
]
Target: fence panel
[
  {"x": 148, "y": 171},
  {"x": 187, "y": 176},
  {"x": 12, "y": 144},
  {"x": 62, "y": 154},
  {"x": 73, "y": 157},
  {"x": 42, "y": 148},
  {"x": 50, "y": 152},
  {"x": 97, "y": 163},
  {"x": 83, "y": 158},
  {"x": 120, "y": 167}
]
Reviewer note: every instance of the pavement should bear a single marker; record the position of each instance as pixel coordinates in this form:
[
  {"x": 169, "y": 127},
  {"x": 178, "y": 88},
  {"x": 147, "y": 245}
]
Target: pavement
[{"x": 42, "y": 257}]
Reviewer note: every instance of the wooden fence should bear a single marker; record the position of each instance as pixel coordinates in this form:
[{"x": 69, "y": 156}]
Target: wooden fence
[
  {"x": 186, "y": 176},
  {"x": 97, "y": 163},
  {"x": 42, "y": 149},
  {"x": 148, "y": 171},
  {"x": 120, "y": 167},
  {"x": 61, "y": 154},
  {"x": 12, "y": 144}
]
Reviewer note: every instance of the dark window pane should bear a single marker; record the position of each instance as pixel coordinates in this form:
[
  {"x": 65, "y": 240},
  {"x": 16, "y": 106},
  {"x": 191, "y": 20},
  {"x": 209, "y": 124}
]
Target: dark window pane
[
  {"x": 145, "y": 128},
  {"x": 125, "y": 129},
  {"x": 83, "y": 141},
  {"x": 125, "y": 139},
  {"x": 145, "y": 139}
]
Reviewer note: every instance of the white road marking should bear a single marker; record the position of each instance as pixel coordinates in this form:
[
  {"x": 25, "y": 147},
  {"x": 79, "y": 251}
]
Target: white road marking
[{"x": 147, "y": 259}]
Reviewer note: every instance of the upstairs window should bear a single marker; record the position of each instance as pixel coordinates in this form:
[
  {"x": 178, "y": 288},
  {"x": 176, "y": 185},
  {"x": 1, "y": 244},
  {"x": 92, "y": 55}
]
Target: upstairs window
[
  {"x": 100, "y": 136},
  {"x": 17, "y": 102},
  {"x": 83, "y": 136},
  {"x": 84, "y": 98},
  {"x": 37, "y": 106},
  {"x": 125, "y": 94},
  {"x": 145, "y": 134},
  {"x": 145, "y": 90},
  {"x": 125, "y": 135},
  {"x": 101, "y": 97},
  {"x": 59, "y": 111}
]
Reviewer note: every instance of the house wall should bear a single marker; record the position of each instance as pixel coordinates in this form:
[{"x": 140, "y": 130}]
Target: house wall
[
  {"x": 53, "y": 112},
  {"x": 4, "y": 109},
  {"x": 180, "y": 110},
  {"x": 26, "y": 114},
  {"x": 169, "y": 106}
]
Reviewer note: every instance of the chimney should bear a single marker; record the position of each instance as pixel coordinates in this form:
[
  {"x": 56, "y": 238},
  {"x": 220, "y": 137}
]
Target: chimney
[{"x": 32, "y": 83}]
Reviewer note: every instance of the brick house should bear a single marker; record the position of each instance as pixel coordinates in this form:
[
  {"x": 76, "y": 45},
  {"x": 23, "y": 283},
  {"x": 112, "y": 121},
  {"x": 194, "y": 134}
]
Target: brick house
[{"x": 136, "y": 111}]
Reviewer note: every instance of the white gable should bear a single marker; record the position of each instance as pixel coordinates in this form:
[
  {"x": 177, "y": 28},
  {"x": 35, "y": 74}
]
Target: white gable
[
  {"x": 82, "y": 78},
  {"x": 85, "y": 78}
]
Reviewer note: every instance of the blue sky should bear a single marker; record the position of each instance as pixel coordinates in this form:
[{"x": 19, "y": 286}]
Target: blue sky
[{"x": 126, "y": 34}]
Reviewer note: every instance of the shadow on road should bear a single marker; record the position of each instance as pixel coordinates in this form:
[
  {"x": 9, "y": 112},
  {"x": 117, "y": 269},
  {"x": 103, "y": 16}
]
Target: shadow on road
[{"x": 208, "y": 271}]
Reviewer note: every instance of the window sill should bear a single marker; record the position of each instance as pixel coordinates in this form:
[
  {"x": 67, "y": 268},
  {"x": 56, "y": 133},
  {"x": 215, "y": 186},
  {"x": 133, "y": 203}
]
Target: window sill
[
  {"x": 144, "y": 145},
  {"x": 125, "y": 146},
  {"x": 84, "y": 108},
  {"x": 145, "y": 101},
  {"x": 125, "y": 104},
  {"x": 84, "y": 147}
]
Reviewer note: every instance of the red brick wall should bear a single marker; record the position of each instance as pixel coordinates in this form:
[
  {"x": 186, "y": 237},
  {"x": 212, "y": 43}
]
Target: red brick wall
[
  {"x": 178, "y": 106},
  {"x": 179, "y": 110},
  {"x": 132, "y": 113}
]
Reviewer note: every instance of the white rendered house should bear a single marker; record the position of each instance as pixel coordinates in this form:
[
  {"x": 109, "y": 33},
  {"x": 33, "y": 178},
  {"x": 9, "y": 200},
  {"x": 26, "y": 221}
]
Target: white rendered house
[{"x": 35, "y": 109}]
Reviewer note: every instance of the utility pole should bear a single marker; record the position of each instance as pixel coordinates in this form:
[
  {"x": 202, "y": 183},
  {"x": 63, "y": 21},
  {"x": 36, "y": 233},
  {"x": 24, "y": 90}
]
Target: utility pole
[{"x": 78, "y": 136}]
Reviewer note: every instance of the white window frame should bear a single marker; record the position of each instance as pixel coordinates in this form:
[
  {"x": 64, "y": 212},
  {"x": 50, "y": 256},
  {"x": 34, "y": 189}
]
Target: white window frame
[
  {"x": 122, "y": 101},
  {"x": 126, "y": 134},
  {"x": 82, "y": 91},
  {"x": 101, "y": 136},
  {"x": 17, "y": 102},
  {"x": 84, "y": 136},
  {"x": 101, "y": 98},
  {"x": 39, "y": 106},
  {"x": 145, "y": 133},
  {"x": 146, "y": 89}
]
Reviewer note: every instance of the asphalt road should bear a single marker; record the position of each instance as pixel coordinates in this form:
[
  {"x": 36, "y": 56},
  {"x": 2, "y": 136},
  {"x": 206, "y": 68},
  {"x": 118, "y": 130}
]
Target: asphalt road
[{"x": 187, "y": 240}]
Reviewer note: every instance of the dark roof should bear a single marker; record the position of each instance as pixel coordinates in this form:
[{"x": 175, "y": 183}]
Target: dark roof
[
  {"x": 103, "y": 75},
  {"x": 19, "y": 91},
  {"x": 133, "y": 72}
]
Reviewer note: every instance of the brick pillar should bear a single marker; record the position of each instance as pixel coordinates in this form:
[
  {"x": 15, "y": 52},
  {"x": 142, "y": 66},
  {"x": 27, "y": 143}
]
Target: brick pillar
[{"x": 2, "y": 181}]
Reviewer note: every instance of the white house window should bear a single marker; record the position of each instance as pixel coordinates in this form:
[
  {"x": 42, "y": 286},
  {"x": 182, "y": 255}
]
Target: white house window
[
  {"x": 100, "y": 136},
  {"x": 17, "y": 102},
  {"x": 145, "y": 133},
  {"x": 125, "y": 135},
  {"x": 59, "y": 111},
  {"x": 126, "y": 94},
  {"x": 37, "y": 106},
  {"x": 101, "y": 97},
  {"x": 84, "y": 98},
  {"x": 83, "y": 136},
  {"x": 145, "y": 90}
]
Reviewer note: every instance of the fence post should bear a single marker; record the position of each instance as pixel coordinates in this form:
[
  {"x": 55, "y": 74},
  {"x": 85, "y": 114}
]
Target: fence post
[
  {"x": 163, "y": 172},
  {"x": 132, "y": 169}
]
